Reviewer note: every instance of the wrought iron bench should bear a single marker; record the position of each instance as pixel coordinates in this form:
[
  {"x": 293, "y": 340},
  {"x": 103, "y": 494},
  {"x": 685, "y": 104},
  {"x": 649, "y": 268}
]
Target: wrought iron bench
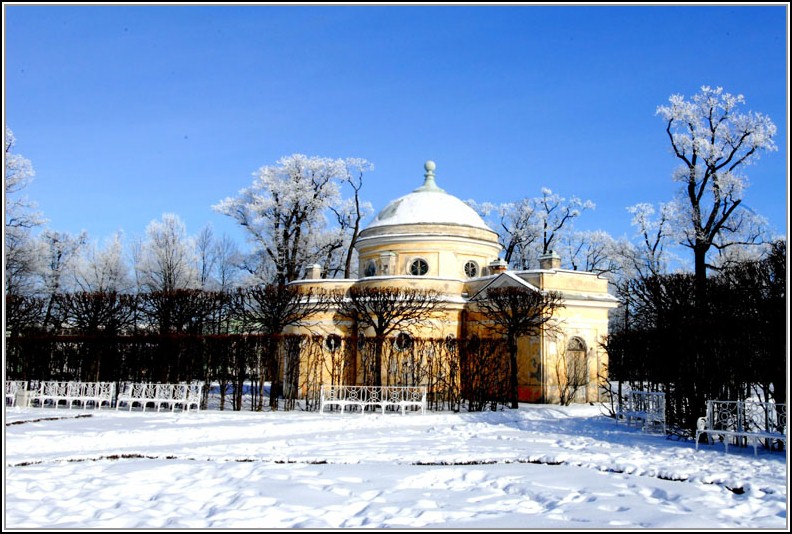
[
  {"x": 647, "y": 407},
  {"x": 168, "y": 395},
  {"x": 82, "y": 393},
  {"x": 400, "y": 397},
  {"x": 744, "y": 423}
]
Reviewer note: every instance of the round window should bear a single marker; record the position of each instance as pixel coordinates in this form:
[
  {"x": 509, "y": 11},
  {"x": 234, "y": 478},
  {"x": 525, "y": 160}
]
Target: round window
[
  {"x": 419, "y": 267},
  {"x": 471, "y": 269}
]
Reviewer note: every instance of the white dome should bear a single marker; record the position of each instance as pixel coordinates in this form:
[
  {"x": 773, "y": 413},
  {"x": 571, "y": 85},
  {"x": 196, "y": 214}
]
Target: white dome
[{"x": 428, "y": 205}]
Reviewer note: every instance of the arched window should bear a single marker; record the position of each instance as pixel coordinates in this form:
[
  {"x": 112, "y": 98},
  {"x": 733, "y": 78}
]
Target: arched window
[
  {"x": 419, "y": 267},
  {"x": 371, "y": 269},
  {"x": 577, "y": 368},
  {"x": 576, "y": 345}
]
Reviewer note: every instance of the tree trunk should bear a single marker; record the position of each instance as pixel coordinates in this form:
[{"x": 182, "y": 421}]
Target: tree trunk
[
  {"x": 276, "y": 385},
  {"x": 379, "y": 342},
  {"x": 513, "y": 371},
  {"x": 700, "y": 263}
]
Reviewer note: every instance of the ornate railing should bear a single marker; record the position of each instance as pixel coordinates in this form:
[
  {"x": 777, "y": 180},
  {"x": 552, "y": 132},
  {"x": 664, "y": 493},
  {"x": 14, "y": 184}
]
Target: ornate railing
[
  {"x": 183, "y": 395},
  {"x": 647, "y": 407},
  {"x": 82, "y": 393},
  {"x": 743, "y": 423},
  {"x": 399, "y": 397}
]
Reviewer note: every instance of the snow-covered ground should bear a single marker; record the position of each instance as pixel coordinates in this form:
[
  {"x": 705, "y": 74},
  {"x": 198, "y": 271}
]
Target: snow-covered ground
[{"x": 539, "y": 467}]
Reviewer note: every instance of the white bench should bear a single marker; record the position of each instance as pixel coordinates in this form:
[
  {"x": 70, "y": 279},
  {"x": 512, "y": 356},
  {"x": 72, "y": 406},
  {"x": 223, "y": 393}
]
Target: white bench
[
  {"x": 648, "y": 407},
  {"x": 749, "y": 422},
  {"x": 98, "y": 393},
  {"x": 15, "y": 389},
  {"x": 400, "y": 397},
  {"x": 168, "y": 395}
]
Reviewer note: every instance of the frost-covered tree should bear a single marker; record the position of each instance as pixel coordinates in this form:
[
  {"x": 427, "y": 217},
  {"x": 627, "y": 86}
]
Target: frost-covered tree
[
  {"x": 59, "y": 251},
  {"x": 19, "y": 211},
  {"x": 103, "y": 270},
  {"x": 20, "y": 217},
  {"x": 646, "y": 255},
  {"x": 205, "y": 252},
  {"x": 285, "y": 212},
  {"x": 590, "y": 251},
  {"x": 531, "y": 227},
  {"x": 750, "y": 242},
  {"x": 653, "y": 232},
  {"x": 227, "y": 265},
  {"x": 165, "y": 260},
  {"x": 714, "y": 141},
  {"x": 555, "y": 213},
  {"x": 518, "y": 229}
]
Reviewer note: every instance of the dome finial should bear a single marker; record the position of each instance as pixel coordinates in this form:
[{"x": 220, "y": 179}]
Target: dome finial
[{"x": 429, "y": 178}]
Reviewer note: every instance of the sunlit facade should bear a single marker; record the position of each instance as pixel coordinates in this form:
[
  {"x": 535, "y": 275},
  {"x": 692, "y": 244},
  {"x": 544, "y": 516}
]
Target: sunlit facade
[{"x": 429, "y": 239}]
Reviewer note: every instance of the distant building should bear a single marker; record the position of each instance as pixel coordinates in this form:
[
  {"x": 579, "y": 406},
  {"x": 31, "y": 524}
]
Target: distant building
[{"x": 429, "y": 239}]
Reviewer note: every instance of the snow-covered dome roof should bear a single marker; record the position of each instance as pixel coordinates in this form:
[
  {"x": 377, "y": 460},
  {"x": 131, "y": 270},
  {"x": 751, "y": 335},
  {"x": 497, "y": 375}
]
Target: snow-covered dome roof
[{"x": 428, "y": 205}]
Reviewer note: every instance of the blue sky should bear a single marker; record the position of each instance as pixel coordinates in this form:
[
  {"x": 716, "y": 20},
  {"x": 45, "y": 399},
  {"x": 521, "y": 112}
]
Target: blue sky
[{"x": 127, "y": 112}]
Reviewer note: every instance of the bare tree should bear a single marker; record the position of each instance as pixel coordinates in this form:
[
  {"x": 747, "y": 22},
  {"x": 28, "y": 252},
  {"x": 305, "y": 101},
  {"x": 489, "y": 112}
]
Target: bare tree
[
  {"x": 354, "y": 210},
  {"x": 105, "y": 313},
  {"x": 571, "y": 370},
  {"x": 103, "y": 270},
  {"x": 387, "y": 310},
  {"x": 713, "y": 140},
  {"x": 515, "y": 312},
  {"x": 23, "y": 313},
  {"x": 268, "y": 309}
]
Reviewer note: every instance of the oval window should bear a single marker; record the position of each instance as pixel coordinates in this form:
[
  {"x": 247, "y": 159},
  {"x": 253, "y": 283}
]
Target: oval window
[
  {"x": 404, "y": 341},
  {"x": 333, "y": 342}
]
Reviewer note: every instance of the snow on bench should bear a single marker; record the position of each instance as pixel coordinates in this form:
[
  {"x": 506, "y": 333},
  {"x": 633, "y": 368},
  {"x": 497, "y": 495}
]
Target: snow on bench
[
  {"x": 98, "y": 393},
  {"x": 648, "y": 407},
  {"x": 745, "y": 422},
  {"x": 15, "y": 389},
  {"x": 400, "y": 397},
  {"x": 169, "y": 395}
]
